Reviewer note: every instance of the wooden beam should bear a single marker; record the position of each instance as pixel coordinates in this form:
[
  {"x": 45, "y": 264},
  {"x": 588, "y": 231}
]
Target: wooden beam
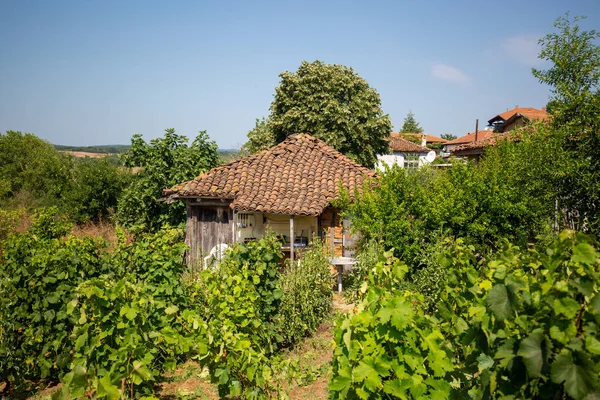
[
  {"x": 234, "y": 227},
  {"x": 292, "y": 237}
]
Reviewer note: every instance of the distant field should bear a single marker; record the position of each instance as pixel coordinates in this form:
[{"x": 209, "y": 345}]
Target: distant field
[
  {"x": 83, "y": 154},
  {"x": 114, "y": 150},
  {"x": 101, "y": 149}
]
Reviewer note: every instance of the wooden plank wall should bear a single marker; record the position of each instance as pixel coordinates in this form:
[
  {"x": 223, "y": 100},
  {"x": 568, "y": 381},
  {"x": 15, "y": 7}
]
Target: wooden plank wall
[{"x": 206, "y": 226}]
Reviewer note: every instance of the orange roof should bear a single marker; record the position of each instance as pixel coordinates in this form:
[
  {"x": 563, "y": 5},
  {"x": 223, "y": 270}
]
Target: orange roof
[
  {"x": 478, "y": 146},
  {"x": 470, "y": 137},
  {"x": 428, "y": 138},
  {"x": 528, "y": 112},
  {"x": 405, "y": 146},
  {"x": 299, "y": 176}
]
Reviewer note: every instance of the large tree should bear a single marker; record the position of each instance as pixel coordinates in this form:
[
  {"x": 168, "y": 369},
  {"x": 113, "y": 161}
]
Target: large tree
[
  {"x": 332, "y": 103},
  {"x": 162, "y": 163},
  {"x": 574, "y": 78},
  {"x": 410, "y": 124},
  {"x": 259, "y": 138}
]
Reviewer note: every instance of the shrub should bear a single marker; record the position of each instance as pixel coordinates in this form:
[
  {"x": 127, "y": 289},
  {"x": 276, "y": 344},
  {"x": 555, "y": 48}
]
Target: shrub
[
  {"x": 38, "y": 275},
  {"x": 164, "y": 162},
  {"x": 134, "y": 324},
  {"x": 369, "y": 254},
  {"x": 95, "y": 189},
  {"x": 307, "y": 295},
  {"x": 389, "y": 347},
  {"x": 523, "y": 324},
  {"x": 241, "y": 301},
  {"x": 9, "y": 221}
]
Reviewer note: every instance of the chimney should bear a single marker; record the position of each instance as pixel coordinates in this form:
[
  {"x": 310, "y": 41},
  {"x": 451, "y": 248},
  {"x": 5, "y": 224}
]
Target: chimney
[
  {"x": 476, "y": 129},
  {"x": 544, "y": 108},
  {"x": 423, "y": 140}
]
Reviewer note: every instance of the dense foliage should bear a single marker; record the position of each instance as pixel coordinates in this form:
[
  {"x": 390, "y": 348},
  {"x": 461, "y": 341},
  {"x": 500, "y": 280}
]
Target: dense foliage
[
  {"x": 332, "y": 103},
  {"x": 259, "y": 138},
  {"x": 448, "y": 136},
  {"x": 33, "y": 174},
  {"x": 574, "y": 78},
  {"x": 38, "y": 275},
  {"x": 162, "y": 163},
  {"x": 307, "y": 295},
  {"x": 110, "y": 322},
  {"x": 504, "y": 196},
  {"x": 522, "y": 325},
  {"x": 410, "y": 124}
]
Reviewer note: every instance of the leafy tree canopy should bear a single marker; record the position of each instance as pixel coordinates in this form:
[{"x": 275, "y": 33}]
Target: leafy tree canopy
[
  {"x": 574, "y": 78},
  {"x": 31, "y": 170},
  {"x": 332, "y": 103},
  {"x": 410, "y": 124},
  {"x": 163, "y": 162},
  {"x": 259, "y": 138},
  {"x": 448, "y": 136}
]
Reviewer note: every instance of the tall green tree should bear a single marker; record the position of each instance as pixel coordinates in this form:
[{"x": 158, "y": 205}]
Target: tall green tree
[
  {"x": 259, "y": 138},
  {"x": 162, "y": 163},
  {"x": 410, "y": 124},
  {"x": 334, "y": 104},
  {"x": 32, "y": 172},
  {"x": 574, "y": 78}
]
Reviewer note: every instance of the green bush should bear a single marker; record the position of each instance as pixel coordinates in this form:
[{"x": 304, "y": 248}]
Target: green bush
[
  {"x": 162, "y": 163},
  {"x": 130, "y": 330},
  {"x": 9, "y": 220},
  {"x": 39, "y": 272},
  {"x": 523, "y": 324},
  {"x": 242, "y": 298},
  {"x": 95, "y": 189},
  {"x": 307, "y": 295},
  {"x": 390, "y": 347},
  {"x": 367, "y": 256}
]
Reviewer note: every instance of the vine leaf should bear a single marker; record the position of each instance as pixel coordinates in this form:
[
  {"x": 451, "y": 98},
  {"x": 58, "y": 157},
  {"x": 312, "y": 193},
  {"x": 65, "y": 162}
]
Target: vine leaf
[
  {"x": 397, "y": 311},
  {"x": 531, "y": 352},
  {"x": 499, "y": 302},
  {"x": 584, "y": 254},
  {"x": 566, "y": 306},
  {"x": 106, "y": 388},
  {"x": 576, "y": 377},
  {"x": 484, "y": 362}
]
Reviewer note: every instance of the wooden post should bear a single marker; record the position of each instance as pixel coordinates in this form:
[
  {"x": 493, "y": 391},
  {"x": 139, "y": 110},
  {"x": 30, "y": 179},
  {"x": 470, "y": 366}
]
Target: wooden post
[
  {"x": 292, "y": 238},
  {"x": 235, "y": 221}
]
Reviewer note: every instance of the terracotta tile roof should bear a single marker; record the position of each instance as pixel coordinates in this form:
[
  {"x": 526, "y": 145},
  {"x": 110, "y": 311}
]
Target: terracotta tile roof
[
  {"x": 471, "y": 148},
  {"x": 428, "y": 138},
  {"x": 405, "y": 146},
  {"x": 299, "y": 176},
  {"x": 468, "y": 147},
  {"x": 528, "y": 112},
  {"x": 470, "y": 137}
]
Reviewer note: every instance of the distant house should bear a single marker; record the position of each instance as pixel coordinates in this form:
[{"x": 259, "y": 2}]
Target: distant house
[
  {"x": 424, "y": 139},
  {"x": 468, "y": 138},
  {"x": 288, "y": 188},
  {"x": 473, "y": 145},
  {"x": 518, "y": 116},
  {"x": 405, "y": 153}
]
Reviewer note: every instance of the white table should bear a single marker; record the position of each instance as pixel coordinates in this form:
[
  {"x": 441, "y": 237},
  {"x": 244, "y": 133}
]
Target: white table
[{"x": 340, "y": 263}]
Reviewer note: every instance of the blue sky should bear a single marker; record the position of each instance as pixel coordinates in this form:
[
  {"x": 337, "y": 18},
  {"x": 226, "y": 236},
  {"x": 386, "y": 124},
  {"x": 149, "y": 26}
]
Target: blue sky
[{"x": 96, "y": 72}]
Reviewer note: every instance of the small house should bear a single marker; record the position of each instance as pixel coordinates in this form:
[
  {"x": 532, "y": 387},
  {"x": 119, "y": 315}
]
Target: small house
[
  {"x": 287, "y": 188},
  {"x": 405, "y": 154}
]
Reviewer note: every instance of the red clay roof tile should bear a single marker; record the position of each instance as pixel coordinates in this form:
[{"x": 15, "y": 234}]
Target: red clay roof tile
[{"x": 299, "y": 176}]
